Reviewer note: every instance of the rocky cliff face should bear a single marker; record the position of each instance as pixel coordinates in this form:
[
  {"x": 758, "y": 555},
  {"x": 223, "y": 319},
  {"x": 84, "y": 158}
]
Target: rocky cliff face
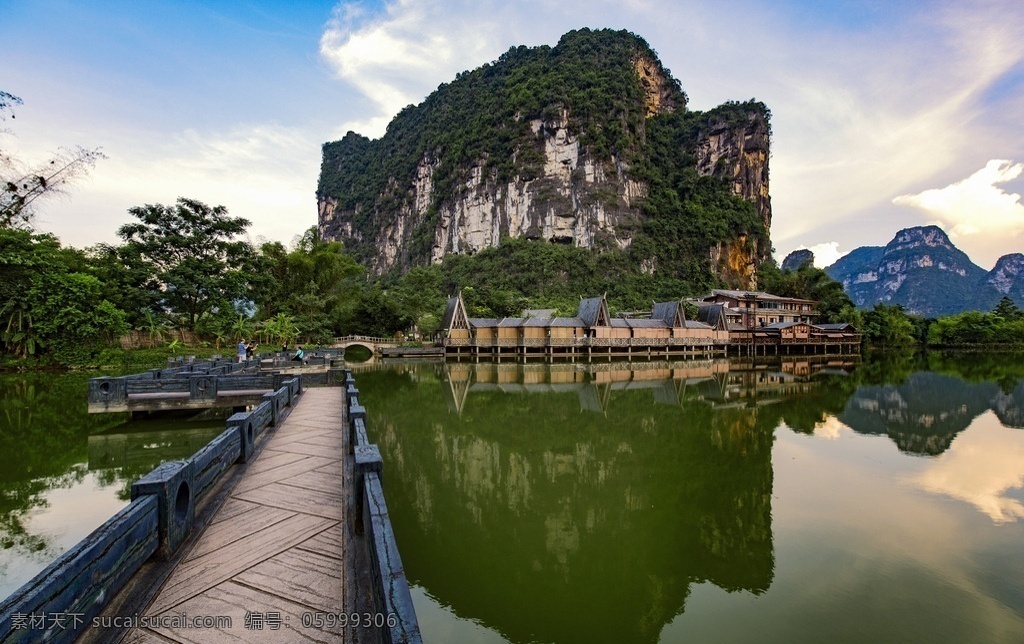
[
  {"x": 576, "y": 200},
  {"x": 738, "y": 153},
  {"x": 924, "y": 272},
  {"x": 797, "y": 259},
  {"x": 1007, "y": 277},
  {"x": 560, "y": 181}
]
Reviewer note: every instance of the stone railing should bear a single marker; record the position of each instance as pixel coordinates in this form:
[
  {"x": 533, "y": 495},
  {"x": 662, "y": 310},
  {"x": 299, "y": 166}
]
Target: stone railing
[
  {"x": 82, "y": 581},
  {"x": 390, "y": 589},
  {"x": 178, "y": 389}
]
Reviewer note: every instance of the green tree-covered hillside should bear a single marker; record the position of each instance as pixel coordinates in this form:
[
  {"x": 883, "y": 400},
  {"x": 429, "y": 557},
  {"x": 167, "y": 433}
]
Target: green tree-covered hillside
[{"x": 652, "y": 179}]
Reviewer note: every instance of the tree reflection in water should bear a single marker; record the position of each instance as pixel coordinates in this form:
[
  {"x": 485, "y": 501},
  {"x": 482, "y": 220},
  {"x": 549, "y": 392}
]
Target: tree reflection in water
[{"x": 582, "y": 502}]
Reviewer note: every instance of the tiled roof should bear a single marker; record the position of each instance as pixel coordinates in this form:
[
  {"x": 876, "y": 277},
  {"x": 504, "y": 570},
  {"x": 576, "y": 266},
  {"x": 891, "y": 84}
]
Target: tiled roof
[
  {"x": 835, "y": 326},
  {"x": 567, "y": 322},
  {"x": 665, "y": 311},
  {"x": 694, "y": 324},
  {"x": 642, "y": 323},
  {"x": 761, "y": 295},
  {"x": 783, "y": 325},
  {"x": 538, "y": 313},
  {"x": 590, "y": 309}
]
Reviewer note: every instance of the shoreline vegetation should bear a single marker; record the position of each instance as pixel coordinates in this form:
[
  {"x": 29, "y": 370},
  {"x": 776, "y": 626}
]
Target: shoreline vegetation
[
  {"x": 67, "y": 308},
  {"x": 151, "y": 358}
]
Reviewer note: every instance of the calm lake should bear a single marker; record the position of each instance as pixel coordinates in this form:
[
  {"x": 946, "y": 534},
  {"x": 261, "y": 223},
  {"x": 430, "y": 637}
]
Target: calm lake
[{"x": 644, "y": 502}]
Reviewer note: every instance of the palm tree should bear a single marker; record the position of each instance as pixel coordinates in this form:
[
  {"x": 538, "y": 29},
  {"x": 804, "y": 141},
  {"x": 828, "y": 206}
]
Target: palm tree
[
  {"x": 281, "y": 328},
  {"x": 19, "y": 336},
  {"x": 241, "y": 327},
  {"x": 156, "y": 327}
]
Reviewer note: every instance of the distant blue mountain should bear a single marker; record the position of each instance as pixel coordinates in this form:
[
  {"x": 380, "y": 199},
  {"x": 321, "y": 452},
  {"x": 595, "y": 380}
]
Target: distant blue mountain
[{"x": 924, "y": 272}]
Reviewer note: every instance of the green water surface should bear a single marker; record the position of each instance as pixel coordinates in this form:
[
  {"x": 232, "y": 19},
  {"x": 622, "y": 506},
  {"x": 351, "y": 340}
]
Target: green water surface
[{"x": 707, "y": 502}]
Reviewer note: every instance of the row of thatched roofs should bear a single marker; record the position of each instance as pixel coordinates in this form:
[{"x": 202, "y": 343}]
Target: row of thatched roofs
[{"x": 592, "y": 312}]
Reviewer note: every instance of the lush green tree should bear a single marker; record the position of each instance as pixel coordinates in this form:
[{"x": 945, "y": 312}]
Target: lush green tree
[
  {"x": 420, "y": 297},
  {"x": 128, "y": 281},
  {"x": 375, "y": 313},
  {"x": 47, "y": 305},
  {"x": 71, "y": 315},
  {"x": 280, "y": 329},
  {"x": 888, "y": 327},
  {"x": 976, "y": 328},
  {"x": 1007, "y": 309},
  {"x": 312, "y": 283},
  {"x": 191, "y": 251}
]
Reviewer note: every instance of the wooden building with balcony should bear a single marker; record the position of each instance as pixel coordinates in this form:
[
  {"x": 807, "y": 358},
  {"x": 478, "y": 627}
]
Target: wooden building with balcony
[{"x": 744, "y": 323}]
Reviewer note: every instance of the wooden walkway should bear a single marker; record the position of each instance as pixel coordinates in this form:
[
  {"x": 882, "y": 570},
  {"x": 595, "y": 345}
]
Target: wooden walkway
[{"x": 279, "y": 557}]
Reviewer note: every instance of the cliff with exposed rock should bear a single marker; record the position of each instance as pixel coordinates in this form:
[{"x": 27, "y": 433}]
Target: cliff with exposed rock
[{"x": 588, "y": 143}]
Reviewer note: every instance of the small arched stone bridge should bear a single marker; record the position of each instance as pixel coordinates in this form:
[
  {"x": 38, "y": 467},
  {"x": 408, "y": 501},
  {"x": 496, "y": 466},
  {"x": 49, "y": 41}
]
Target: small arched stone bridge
[{"x": 369, "y": 342}]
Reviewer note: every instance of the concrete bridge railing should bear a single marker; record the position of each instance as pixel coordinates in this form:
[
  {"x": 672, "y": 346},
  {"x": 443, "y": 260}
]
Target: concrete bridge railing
[{"x": 59, "y": 604}]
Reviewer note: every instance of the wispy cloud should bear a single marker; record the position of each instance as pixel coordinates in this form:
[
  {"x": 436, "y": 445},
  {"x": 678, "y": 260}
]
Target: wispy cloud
[
  {"x": 881, "y": 110},
  {"x": 263, "y": 172},
  {"x": 399, "y": 56}
]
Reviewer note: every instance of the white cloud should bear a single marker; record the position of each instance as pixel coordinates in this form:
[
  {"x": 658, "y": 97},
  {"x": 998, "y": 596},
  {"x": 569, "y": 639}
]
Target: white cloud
[
  {"x": 263, "y": 172},
  {"x": 830, "y": 429},
  {"x": 396, "y": 59},
  {"x": 983, "y": 464},
  {"x": 976, "y": 206},
  {"x": 826, "y": 254}
]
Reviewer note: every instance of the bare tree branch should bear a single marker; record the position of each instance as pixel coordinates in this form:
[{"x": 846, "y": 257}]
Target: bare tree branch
[{"x": 23, "y": 183}]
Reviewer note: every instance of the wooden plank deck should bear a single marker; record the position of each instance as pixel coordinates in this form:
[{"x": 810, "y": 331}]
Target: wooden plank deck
[{"x": 279, "y": 556}]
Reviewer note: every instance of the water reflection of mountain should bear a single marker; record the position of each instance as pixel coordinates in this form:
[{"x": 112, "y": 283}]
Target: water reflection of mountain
[
  {"x": 1009, "y": 407},
  {"x": 518, "y": 506},
  {"x": 925, "y": 412}
]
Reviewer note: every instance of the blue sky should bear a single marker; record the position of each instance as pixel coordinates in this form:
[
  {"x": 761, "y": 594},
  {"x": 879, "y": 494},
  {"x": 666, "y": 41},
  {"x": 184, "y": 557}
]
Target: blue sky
[{"x": 885, "y": 114}]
